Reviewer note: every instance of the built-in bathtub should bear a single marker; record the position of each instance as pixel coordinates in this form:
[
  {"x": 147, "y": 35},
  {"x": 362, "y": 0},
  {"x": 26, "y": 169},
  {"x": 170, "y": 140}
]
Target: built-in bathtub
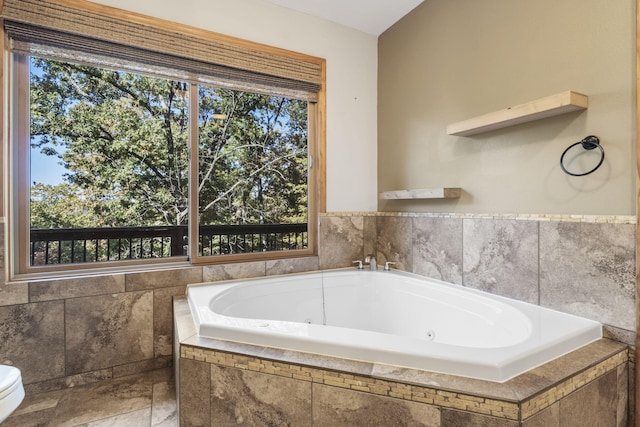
[
  {"x": 392, "y": 318},
  {"x": 252, "y": 376}
]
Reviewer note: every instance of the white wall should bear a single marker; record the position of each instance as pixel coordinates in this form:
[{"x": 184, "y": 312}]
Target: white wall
[{"x": 351, "y": 79}]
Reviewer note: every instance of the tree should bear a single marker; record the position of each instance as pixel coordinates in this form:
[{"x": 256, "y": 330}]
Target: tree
[
  {"x": 63, "y": 206},
  {"x": 124, "y": 140},
  {"x": 253, "y": 162}
]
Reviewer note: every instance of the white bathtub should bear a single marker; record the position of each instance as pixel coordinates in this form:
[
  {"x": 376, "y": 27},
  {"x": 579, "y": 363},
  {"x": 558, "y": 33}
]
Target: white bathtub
[{"x": 393, "y": 318}]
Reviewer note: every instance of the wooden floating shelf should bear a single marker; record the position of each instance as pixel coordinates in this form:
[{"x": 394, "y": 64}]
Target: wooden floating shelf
[
  {"x": 549, "y": 106},
  {"x": 424, "y": 193}
]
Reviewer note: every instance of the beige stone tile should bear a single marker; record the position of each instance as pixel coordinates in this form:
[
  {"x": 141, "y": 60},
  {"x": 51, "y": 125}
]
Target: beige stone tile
[
  {"x": 562, "y": 368},
  {"x": 37, "y": 402},
  {"x": 104, "y": 400},
  {"x": 165, "y": 375},
  {"x": 281, "y": 355},
  {"x": 139, "y": 418},
  {"x": 195, "y": 392},
  {"x": 183, "y": 322},
  {"x": 163, "y": 319},
  {"x": 13, "y": 293},
  {"x": 103, "y": 331},
  {"x": 70, "y": 381},
  {"x": 549, "y": 417},
  {"x": 594, "y": 404},
  {"x": 252, "y": 398},
  {"x": 341, "y": 241},
  {"x": 453, "y": 418},
  {"x": 164, "y": 410},
  {"x": 38, "y": 418},
  {"x": 370, "y": 232},
  {"x": 501, "y": 257},
  {"x": 32, "y": 339},
  {"x": 76, "y": 287},
  {"x": 622, "y": 388},
  {"x": 244, "y": 270},
  {"x": 395, "y": 242},
  {"x": 521, "y": 387},
  {"x": 437, "y": 248},
  {"x": 292, "y": 265},
  {"x": 142, "y": 366},
  {"x": 106, "y": 403},
  {"x": 163, "y": 278},
  {"x": 337, "y": 406},
  {"x": 588, "y": 269},
  {"x": 310, "y": 359},
  {"x": 618, "y": 334},
  {"x": 631, "y": 391},
  {"x": 422, "y": 378}
]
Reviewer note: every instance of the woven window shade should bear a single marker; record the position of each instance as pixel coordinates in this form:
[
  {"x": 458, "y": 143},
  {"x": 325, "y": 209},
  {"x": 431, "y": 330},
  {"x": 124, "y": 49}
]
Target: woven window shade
[{"x": 32, "y": 24}]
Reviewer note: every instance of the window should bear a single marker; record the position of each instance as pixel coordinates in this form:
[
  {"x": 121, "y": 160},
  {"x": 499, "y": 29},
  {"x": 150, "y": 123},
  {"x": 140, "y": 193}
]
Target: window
[
  {"x": 108, "y": 164},
  {"x": 109, "y": 168},
  {"x": 121, "y": 162},
  {"x": 252, "y": 183}
]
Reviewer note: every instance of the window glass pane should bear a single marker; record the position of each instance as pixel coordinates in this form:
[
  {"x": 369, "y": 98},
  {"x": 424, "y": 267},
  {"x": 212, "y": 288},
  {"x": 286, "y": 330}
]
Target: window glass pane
[
  {"x": 109, "y": 164},
  {"x": 252, "y": 172}
]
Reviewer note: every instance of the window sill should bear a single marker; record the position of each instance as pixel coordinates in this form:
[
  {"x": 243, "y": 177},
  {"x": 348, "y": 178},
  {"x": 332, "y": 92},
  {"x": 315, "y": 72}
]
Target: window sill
[{"x": 96, "y": 271}]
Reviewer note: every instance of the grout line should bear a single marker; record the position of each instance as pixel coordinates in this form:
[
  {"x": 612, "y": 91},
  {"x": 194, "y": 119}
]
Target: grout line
[
  {"x": 462, "y": 274},
  {"x": 539, "y": 265},
  {"x": 610, "y": 219}
]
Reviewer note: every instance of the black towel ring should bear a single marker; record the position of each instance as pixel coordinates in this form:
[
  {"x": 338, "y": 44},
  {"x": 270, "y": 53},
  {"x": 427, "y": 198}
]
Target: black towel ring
[{"x": 588, "y": 143}]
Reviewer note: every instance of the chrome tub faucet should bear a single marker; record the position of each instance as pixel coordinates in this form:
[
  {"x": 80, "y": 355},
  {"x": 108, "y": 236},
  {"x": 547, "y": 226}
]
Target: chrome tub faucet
[{"x": 371, "y": 260}]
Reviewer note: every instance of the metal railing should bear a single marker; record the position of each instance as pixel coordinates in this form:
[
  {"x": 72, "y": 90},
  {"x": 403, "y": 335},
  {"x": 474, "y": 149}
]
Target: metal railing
[{"x": 83, "y": 245}]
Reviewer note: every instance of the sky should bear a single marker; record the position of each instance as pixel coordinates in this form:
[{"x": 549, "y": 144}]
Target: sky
[{"x": 45, "y": 169}]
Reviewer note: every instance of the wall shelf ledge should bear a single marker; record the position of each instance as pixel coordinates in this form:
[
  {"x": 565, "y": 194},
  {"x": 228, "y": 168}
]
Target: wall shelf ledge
[
  {"x": 560, "y": 103},
  {"x": 423, "y": 193}
]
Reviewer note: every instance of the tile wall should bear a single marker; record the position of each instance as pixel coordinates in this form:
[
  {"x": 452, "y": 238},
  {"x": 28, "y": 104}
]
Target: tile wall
[
  {"x": 584, "y": 265},
  {"x": 68, "y": 332}
]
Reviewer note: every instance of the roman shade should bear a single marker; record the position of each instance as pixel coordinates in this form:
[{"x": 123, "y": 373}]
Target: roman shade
[{"x": 46, "y": 28}]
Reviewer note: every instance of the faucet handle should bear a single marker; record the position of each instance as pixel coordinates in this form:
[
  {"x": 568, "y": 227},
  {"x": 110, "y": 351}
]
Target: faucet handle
[
  {"x": 360, "y": 266},
  {"x": 387, "y": 265}
]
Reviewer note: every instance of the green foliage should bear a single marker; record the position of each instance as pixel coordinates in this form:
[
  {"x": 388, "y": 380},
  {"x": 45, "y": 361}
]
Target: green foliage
[
  {"x": 61, "y": 206},
  {"x": 252, "y": 163},
  {"x": 124, "y": 141}
]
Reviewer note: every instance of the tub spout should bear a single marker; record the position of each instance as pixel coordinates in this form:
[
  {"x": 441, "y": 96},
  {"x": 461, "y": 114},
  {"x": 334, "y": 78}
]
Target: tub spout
[{"x": 371, "y": 260}]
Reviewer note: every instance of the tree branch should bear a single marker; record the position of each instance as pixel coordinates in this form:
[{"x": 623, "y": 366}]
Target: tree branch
[{"x": 255, "y": 172}]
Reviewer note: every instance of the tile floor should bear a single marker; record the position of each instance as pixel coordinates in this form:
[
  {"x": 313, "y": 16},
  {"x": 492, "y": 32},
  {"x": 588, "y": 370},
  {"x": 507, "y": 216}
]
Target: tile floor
[{"x": 140, "y": 400}]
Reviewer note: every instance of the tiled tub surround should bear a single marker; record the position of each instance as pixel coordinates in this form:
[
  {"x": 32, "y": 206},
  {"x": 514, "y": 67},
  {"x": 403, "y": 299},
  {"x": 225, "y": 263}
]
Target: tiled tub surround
[
  {"x": 583, "y": 265},
  {"x": 125, "y": 320},
  {"x": 227, "y": 383}
]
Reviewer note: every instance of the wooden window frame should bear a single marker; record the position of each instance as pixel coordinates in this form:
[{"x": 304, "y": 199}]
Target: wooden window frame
[{"x": 15, "y": 180}]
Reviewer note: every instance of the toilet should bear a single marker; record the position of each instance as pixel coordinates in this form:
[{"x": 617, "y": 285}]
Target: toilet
[{"x": 11, "y": 390}]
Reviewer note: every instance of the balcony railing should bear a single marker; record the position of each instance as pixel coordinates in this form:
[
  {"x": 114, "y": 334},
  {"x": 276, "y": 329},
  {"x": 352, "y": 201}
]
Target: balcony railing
[{"x": 83, "y": 245}]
